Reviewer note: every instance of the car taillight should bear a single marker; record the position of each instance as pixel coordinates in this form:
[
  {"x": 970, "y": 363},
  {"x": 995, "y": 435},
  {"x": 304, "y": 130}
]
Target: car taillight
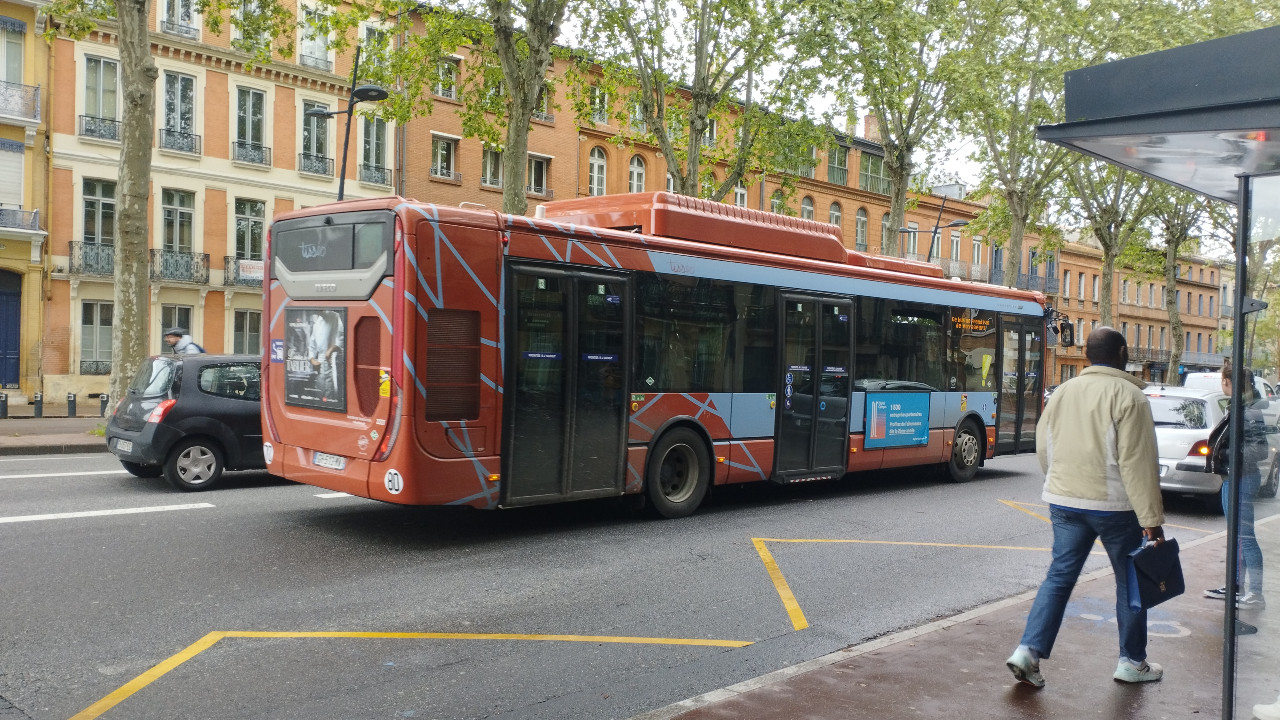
[
  {"x": 1200, "y": 449},
  {"x": 161, "y": 410}
]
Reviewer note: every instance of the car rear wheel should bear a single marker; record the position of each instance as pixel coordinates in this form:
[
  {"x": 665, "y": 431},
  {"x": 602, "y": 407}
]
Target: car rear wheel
[
  {"x": 194, "y": 464},
  {"x": 140, "y": 470},
  {"x": 1268, "y": 489}
]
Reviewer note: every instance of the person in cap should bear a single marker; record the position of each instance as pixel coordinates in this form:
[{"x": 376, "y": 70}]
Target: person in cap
[{"x": 180, "y": 341}]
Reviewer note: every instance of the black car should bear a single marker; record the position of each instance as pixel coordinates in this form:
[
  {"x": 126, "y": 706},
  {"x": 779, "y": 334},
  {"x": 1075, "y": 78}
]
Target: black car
[{"x": 189, "y": 417}]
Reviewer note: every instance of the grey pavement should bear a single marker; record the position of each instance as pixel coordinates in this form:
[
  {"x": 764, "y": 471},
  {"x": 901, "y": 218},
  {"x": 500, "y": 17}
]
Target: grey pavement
[{"x": 21, "y": 433}]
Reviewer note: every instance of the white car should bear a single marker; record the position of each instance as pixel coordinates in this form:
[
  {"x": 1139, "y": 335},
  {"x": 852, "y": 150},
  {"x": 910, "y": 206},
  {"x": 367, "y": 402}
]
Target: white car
[{"x": 1213, "y": 381}]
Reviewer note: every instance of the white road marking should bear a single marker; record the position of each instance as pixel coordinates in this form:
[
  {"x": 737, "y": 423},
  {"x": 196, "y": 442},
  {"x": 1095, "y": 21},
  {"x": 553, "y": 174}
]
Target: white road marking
[
  {"x": 98, "y": 513},
  {"x": 63, "y": 474},
  {"x": 51, "y": 457},
  {"x": 333, "y": 495}
]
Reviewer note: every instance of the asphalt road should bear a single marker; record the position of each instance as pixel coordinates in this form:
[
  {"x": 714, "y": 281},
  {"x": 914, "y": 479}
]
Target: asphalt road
[{"x": 120, "y": 598}]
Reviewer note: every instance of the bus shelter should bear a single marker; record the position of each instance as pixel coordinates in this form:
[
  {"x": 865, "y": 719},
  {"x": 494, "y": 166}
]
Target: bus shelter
[{"x": 1205, "y": 117}]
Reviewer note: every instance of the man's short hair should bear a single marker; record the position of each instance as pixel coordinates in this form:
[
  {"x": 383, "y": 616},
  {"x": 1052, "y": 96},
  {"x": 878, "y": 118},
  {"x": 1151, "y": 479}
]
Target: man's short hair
[{"x": 1105, "y": 346}]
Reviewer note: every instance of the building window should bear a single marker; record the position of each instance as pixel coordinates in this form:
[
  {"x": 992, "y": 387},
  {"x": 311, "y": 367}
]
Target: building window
[
  {"x": 11, "y": 51},
  {"x": 1066, "y": 284},
  {"x": 671, "y": 182},
  {"x": 99, "y": 212},
  {"x": 373, "y": 165},
  {"x": 1124, "y": 330},
  {"x": 443, "y": 157},
  {"x": 1095, "y": 288},
  {"x": 1080, "y": 287},
  {"x": 95, "y": 338},
  {"x": 1124, "y": 291},
  {"x": 178, "y": 208},
  {"x": 251, "y": 222},
  {"x": 100, "y": 93},
  {"x": 491, "y": 168},
  {"x": 596, "y": 166},
  {"x": 1210, "y": 309},
  {"x": 871, "y": 175},
  {"x": 375, "y": 46},
  {"x": 806, "y": 208},
  {"x": 246, "y": 338},
  {"x": 809, "y": 164},
  {"x": 314, "y": 157},
  {"x": 860, "y": 230},
  {"x": 884, "y": 232},
  {"x": 1199, "y": 338},
  {"x": 955, "y": 245},
  {"x": 178, "y": 17},
  {"x": 637, "y": 121},
  {"x": 1210, "y": 348},
  {"x": 709, "y": 135},
  {"x": 635, "y": 175},
  {"x": 1150, "y": 335},
  {"x": 250, "y": 119},
  {"x": 598, "y": 104},
  {"x": 447, "y": 78},
  {"x": 313, "y": 51},
  {"x": 179, "y": 113},
  {"x": 740, "y": 195},
  {"x": 775, "y": 201},
  {"x": 174, "y": 316},
  {"x": 1162, "y": 339},
  {"x": 838, "y": 165},
  {"x": 977, "y": 251},
  {"x": 913, "y": 238},
  {"x": 539, "y": 173},
  {"x": 1199, "y": 304},
  {"x": 834, "y": 215}
]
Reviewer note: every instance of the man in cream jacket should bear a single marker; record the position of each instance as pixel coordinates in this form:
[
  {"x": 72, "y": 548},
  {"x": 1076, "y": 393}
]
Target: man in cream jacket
[{"x": 1097, "y": 447}]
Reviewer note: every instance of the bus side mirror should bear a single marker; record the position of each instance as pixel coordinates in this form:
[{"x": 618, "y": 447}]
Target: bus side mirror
[{"x": 1067, "y": 334}]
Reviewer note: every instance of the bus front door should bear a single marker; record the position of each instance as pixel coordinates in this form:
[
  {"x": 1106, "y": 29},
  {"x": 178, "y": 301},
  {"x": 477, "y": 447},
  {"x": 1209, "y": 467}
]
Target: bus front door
[
  {"x": 565, "y": 399},
  {"x": 1021, "y": 362},
  {"x": 813, "y": 418}
]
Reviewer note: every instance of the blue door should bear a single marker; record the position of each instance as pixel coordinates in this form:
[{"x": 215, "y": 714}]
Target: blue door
[{"x": 10, "y": 333}]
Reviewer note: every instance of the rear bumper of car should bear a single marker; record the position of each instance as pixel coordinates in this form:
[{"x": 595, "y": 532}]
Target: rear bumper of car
[
  {"x": 1187, "y": 475},
  {"x": 148, "y": 446}
]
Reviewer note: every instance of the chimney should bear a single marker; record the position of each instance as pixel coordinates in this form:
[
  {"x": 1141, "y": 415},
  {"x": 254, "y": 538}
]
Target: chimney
[{"x": 871, "y": 127}]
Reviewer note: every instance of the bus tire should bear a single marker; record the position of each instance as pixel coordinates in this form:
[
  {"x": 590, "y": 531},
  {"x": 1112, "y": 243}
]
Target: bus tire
[
  {"x": 194, "y": 464},
  {"x": 966, "y": 453},
  {"x": 678, "y": 474}
]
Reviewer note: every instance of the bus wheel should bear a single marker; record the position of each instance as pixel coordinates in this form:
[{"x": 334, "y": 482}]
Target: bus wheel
[
  {"x": 679, "y": 473},
  {"x": 966, "y": 452},
  {"x": 194, "y": 464}
]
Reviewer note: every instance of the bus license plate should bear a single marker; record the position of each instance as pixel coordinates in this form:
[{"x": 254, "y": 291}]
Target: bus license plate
[
  {"x": 325, "y": 460},
  {"x": 124, "y": 445}
]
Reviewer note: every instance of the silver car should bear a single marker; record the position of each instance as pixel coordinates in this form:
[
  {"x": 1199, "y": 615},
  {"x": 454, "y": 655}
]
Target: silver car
[{"x": 1184, "y": 418}]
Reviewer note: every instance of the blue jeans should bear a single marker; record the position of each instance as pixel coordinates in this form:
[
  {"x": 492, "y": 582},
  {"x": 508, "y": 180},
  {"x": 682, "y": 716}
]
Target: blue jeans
[
  {"x": 1073, "y": 536},
  {"x": 1248, "y": 553}
]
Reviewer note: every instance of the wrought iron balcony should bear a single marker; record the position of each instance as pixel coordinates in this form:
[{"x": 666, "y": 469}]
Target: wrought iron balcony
[
  {"x": 95, "y": 367},
  {"x": 441, "y": 173},
  {"x": 180, "y": 266},
  {"x": 180, "y": 141},
  {"x": 246, "y": 152},
  {"x": 180, "y": 29},
  {"x": 240, "y": 271},
  {"x": 449, "y": 92},
  {"x": 317, "y": 62},
  {"x": 100, "y": 128},
  {"x": 91, "y": 258},
  {"x": 18, "y": 219},
  {"x": 837, "y": 175},
  {"x": 1203, "y": 358},
  {"x": 549, "y": 118},
  {"x": 375, "y": 174},
  {"x": 20, "y": 101},
  {"x": 315, "y": 164},
  {"x": 1142, "y": 354},
  {"x": 540, "y": 191}
]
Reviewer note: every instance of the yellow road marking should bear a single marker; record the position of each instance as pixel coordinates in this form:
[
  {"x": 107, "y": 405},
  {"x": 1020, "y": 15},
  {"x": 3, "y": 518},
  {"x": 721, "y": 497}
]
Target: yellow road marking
[
  {"x": 1193, "y": 529},
  {"x": 906, "y": 542},
  {"x": 1018, "y": 506},
  {"x": 798, "y": 620},
  {"x": 115, "y": 698}
]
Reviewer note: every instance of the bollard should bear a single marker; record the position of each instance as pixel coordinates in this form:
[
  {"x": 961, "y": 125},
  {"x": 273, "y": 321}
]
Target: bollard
[
  {"x": 71, "y": 405},
  {"x": 39, "y": 405},
  {"x": 102, "y": 400},
  {"x": 4, "y": 405}
]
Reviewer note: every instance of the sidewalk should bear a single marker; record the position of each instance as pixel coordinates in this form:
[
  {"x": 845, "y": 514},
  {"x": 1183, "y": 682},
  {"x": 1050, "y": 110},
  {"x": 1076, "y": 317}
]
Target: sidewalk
[
  {"x": 954, "y": 668},
  {"x": 23, "y": 434}
]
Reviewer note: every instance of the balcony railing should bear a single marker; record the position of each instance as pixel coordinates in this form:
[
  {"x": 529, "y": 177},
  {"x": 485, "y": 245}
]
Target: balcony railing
[
  {"x": 317, "y": 62},
  {"x": 246, "y": 152},
  {"x": 448, "y": 92},
  {"x": 873, "y": 183},
  {"x": 549, "y": 118},
  {"x": 1142, "y": 354},
  {"x": 99, "y": 128},
  {"x": 240, "y": 271},
  {"x": 91, "y": 258},
  {"x": 860, "y": 246},
  {"x": 1203, "y": 358},
  {"x": 180, "y": 141},
  {"x": 18, "y": 100},
  {"x": 95, "y": 367},
  {"x": 180, "y": 29},
  {"x": 375, "y": 174},
  {"x": 180, "y": 266},
  {"x": 315, "y": 164},
  {"x": 837, "y": 175},
  {"x": 540, "y": 191},
  {"x": 441, "y": 173},
  {"x": 19, "y": 219}
]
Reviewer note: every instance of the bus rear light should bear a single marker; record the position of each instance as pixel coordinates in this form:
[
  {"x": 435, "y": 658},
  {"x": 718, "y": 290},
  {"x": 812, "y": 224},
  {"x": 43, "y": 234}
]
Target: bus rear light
[
  {"x": 393, "y": 429},
  {"x": 157, "y": 415}
]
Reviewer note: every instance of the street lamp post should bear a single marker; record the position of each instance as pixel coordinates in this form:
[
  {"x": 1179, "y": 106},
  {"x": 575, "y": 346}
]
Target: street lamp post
[
  {"x": 933, "y": 238},
  {"x": 362, "y": 93}
]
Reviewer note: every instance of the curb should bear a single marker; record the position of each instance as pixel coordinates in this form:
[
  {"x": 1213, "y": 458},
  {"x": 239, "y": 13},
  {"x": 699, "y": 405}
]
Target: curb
[{"x": 56, "y": 449}]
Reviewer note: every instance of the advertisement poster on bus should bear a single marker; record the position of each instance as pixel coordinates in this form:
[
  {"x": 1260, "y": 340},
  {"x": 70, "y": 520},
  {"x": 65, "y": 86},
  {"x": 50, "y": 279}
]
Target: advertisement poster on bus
[
  {"x": 897, "y": 419},
  {"x": 315, "y": 373}
]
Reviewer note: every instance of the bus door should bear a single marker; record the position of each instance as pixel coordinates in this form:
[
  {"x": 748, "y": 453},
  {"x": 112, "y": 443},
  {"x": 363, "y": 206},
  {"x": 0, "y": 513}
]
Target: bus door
[
  {"x": 566, "y": 402},
  {"x": 1021, "y": 362},
  {"x": 813, "y": 417}
]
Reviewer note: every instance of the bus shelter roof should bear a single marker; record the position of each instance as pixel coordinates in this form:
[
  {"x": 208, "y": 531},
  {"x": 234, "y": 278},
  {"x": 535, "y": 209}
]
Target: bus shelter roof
[{"x": 1196, "y": 116}]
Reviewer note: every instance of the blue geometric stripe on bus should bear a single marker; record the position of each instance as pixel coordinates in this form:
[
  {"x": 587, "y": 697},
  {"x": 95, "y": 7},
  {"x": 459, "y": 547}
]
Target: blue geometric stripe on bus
[
  {"x": 753, "y": 466},
  {"x": 408, "y": 365},
  {"x": 471, "y": 498},
  {"x": 587, "y": 250},
  {"x": 750, "y": 415},
  {"x": 857, "y": 406},
  {"x": 502, "y": 321},
  {"x": 422, "y": 281},
  {"x": 568, "y": 250},
  {"x": 482, "y": 473},
  {"x": 802, "y": 280},
  {"x": 547, "y": 242},
  {"x": 709, "y": 405},
  {"x": 611, "y": 257},
  {"x": 414, "y": 301},
  {"x": 641, "y": 425},
  {"x": 636, "y": 474},
  {"x": 487, "y": 341},
  {"x": 440, "y": 237},
  {"x": 276, "y": 318},
  {"x": 485, "y": 379},
  {"x": 385, "y": 320}
]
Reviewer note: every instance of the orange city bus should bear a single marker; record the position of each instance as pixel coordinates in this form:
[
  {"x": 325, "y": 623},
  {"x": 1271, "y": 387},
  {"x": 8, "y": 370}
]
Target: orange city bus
[{"x": 648, "y": 344}]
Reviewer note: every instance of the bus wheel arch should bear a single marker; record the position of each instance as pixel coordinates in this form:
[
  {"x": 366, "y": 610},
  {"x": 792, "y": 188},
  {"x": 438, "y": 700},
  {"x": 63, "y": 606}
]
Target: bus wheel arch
[
  {"x": 678, "y": 471},
  {"x": 968, "y": 450}
]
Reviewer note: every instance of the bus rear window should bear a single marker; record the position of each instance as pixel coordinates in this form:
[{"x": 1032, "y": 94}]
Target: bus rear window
[{"x": 325, "y": 243}]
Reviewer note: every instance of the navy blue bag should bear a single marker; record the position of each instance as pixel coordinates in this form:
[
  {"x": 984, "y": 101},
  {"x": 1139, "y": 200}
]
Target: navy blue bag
[{"x": 1155, "y": 575}]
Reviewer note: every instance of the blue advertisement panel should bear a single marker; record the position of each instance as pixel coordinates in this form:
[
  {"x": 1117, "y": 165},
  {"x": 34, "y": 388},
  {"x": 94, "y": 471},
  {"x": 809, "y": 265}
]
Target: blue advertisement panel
[{"x": 897, "y": 419}]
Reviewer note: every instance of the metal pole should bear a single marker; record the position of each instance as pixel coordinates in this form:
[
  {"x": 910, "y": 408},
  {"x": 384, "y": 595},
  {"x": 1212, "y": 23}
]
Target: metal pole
[
  {"x": 1236, "y": 431},
  {"x": 346, "y": 136},
  {"x": 71, "y": 405}
]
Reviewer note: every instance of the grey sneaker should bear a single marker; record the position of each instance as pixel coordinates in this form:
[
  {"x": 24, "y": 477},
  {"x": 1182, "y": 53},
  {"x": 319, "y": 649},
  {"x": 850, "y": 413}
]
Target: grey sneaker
[
  {"x": 1025, "y": 668},
  {"x": 1219, "y": 593},
  {"x": 1251, "y": 601},
  {"x": 1128, "y": 672}
]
